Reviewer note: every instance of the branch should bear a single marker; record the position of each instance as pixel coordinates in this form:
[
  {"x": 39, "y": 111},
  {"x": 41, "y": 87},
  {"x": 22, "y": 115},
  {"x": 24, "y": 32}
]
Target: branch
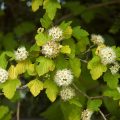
[
  {"x": 89, "y": 98},
  {"x": 18, "y": 111}
]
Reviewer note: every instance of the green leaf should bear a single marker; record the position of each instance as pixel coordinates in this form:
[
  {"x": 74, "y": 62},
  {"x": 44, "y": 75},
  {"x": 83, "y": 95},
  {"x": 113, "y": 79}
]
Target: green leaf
[
  {"x": 42, "y": 38},
  {"x": 78, "y": 33},
  {"x": 112, "y": 80},
  {"x": 75, "y": 101},
  {"x": 36, "y": 4},
  {"x": 35, "y": 87},
  {"x": 3, "y": 61},
  {"x": 9, "y": 87},
  {"x": 66, "y": 49},
  {"x": 96, "y": 67},
  {"x": 115, "y": 94},
  {"x": 75, "y": 66},
  {"x": 45, "y": 65},
  {"x": 46, "y": 21},
  {"x": 51, "y": 90},
  {"x": 94, "y": 105},
  {"x": 3, "y": 111},
  {"x": 24, "y": 28},
  {"x": 70, "y": 111},
  {"x": 72, "y": 46},
  {"x": 51, "y": 7}
]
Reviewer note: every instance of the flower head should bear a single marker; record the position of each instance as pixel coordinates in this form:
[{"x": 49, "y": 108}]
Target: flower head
[
  {"x": 63, "y": 77},
  {"x": 97, "y": 39},
  {"x": 3, "y": 75},
  {"x": 86, "y": 114},
  {"x": 56, "y": 33},
  {"x": 51, "y": 49},
  {"x": 107, "y": 55},
  {"x": 21, "y": 54},
  {"x": 115, "y": 68},
  {"x": 67, "y": 93}
]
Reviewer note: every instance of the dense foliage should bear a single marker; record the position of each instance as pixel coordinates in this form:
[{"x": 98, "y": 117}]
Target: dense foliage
[{"x": 59, "y": 60}]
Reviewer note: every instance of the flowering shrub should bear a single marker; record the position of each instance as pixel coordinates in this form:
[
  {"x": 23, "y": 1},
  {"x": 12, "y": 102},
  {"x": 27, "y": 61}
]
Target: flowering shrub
[{"x": 78, "y": 71}]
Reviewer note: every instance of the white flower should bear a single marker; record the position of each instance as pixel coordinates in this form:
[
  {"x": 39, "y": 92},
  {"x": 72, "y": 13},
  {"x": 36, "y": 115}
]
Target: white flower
[
  {"x": 51, "y": 49},
  {"x": 97, "y": 39},
  {"x": 67, "y": 93},
  {"x": 63, "y": 77},
  {"x": 86, "y": 114},
  {"x": 56, "y": 33},
  {"x": 107, "y": 55},
  {"x": 115, "y": 68},
  {"x": 3, "y": 75},
  {"x": 21, "y": 54}
]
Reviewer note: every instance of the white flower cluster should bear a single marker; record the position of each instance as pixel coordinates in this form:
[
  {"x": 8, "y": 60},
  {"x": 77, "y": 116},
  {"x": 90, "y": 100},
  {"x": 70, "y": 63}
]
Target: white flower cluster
[
  {"x": 67, "y": 93},
  {"x": 3, "y": 75},
  {"x": 21, "y": 54},
  {"x": 56, "y": 33},
  {"x": 97, "y": 39},
  {"x": 107, "y": 55},
  {"x": 63, "y": 77},
  {"x": 115, "y": 68},
  {"x": 51, "y": 49},
  {"x": 86, "y": 114}
]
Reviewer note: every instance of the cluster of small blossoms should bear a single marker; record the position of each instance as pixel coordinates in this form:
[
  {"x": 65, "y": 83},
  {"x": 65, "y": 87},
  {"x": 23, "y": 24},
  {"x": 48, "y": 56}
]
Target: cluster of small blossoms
[
  {"x": 107, "y": 55},
  {"x": 97, "y": 39},
  {"x": 115, "y": 68},
  {"x": 56, "y": 33},
  {"x": 86, "y": 114},
  {"x": 3, "y": 75},
  {"x": 51, "y": 49},
  {"x": 21, "y": 54},
  {"x": 67, "y": 93},
  {"x": 63, "y": 77}
]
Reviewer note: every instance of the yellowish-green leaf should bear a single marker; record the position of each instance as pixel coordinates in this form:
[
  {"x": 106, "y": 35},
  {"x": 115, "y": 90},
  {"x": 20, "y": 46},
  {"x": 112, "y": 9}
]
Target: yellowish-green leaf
[
  {"x": 36, "y": 4},
  {"x": 51, "y": 7},
  {"x": 96, "y": 67},
  {"x": 12, "y": 72},
  {"x": 3, "y": 111},
  {"x": 65, "y": 49},
  {"x": 45, "y": 65},
  {"x": 35, "y": 87},
  {"x": 3, "y": 61},
  {"x": 68, "y": 32},
  {"x": 9, "y": 87},
  {"x": 42, "y": 38},
  {"x": 51, "y": 90}
]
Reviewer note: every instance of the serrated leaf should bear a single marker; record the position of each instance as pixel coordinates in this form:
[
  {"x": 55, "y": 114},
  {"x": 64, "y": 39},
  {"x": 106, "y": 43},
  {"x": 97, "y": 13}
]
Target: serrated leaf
[
  {"x": 45, "y": 65},
  {"x": 9, "y": 87},
  {"x": 3, "y": 61},
  {"x": 51, "y": 7},
  {"x": 68, "y": 32},
  {"x": 42, "y": 38},
  {"x": 45, "y": 21},
  {"x": 78, "y": 33},
  {"x": 96, "y": 67},
  {"x": 3, "y": 111},
  {"x": 112, "y": 80},
  {"x": 64, "y": 25},
  {"x": 75, "y": 66},
  {"x": 70, "y": 111},
  {"x": 94, "y": 105},
  {"x": 51, "y": 90},
  {"x": 112, "y": 93},
  {"x": 65, "y": 49},
  {"x": 35, "y": 87},
  {"x": 75, "y": 101},
  {"x": 36, "y": 4},
  {"x": 12, "y": 72}
]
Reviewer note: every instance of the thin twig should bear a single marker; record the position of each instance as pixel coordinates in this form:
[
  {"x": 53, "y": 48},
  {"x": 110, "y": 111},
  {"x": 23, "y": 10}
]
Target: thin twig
[
  {"x": 1, "y": 93},
  {"x": 96, "y": 97},
  {"x": 89, "y": 49},
  {"x": 22, "y": 87},
  {"x": 88, "y": 97},
  {"x": 85, "y": 61},
  {"x": 104, "y": 4},
  {"x": 102, "y": 115},
  {"x": 18, "y": 111}
]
